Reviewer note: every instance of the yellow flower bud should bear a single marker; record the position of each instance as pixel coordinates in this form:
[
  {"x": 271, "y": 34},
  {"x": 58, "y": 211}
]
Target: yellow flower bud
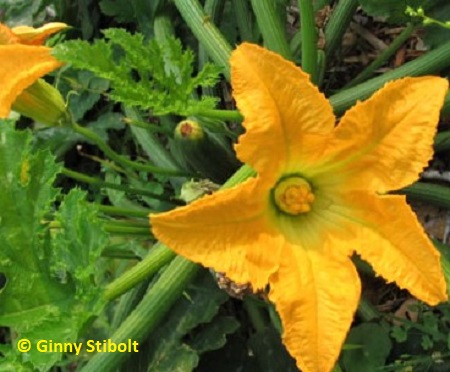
[{"x": 43, "y": 103}]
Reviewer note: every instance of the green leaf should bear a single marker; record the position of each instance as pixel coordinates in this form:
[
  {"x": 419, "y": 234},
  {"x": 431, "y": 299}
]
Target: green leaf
[
  {"x": 375, "y": 348},
  {"x": 52, "y": 276},
  {"x": 83, "y": 90},
  {"x": 143, "y": 73},
  {"x": 22, "y": 12},
  {"x": 213, "y": 335},
  {"x": 394, "y": 10},
  {"x": 269, "y": 352},
  {"x": 130, "y": 11},
  {"x": 120, "y": 10},
  {"x": 436, "y": 35}
]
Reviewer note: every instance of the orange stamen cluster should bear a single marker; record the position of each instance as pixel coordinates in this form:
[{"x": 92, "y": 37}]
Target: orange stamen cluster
[{"x": 293, "y": 195}]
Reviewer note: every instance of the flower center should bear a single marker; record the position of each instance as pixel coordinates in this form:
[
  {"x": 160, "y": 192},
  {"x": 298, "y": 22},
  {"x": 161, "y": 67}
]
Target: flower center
[{"x": 293, "y": 195}]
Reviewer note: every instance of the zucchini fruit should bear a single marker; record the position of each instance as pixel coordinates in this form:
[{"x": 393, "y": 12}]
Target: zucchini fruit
[{"x": 207, "y": 154}]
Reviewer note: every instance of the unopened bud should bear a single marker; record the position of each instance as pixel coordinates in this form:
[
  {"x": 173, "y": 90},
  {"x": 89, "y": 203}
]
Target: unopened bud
[{"x": 44, "y": 104}]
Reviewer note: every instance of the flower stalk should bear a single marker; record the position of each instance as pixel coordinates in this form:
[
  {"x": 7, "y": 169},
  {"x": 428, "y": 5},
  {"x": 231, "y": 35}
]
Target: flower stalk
[
  {"x": 308, "y": 39},
  {"x": 271, "y": 27},
  {"x": 130, "y": 190},
  {"x": 337, "y": 25},
  {"x": 206, "y": 32},
  {"x": 431, "y": 62},
  {"x": 148, "y": 313},
  {"x": 158, "y": 256},
  {"x": 121, "y": 160},
  {"x": 428, "y": 192},
  {"x": 244, "y": 20}
]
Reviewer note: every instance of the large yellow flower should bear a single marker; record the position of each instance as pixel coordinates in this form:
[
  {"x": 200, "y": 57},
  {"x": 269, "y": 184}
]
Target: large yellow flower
[
  {"x": 320, "y": 194},
  {"x": 23, "y": 60}
]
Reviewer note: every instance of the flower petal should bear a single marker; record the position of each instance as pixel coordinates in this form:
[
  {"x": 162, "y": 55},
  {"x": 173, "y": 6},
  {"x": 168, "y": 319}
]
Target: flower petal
[
  {"x": 387, "y": 139},
  {"x": 7, "y": 37},
  {"x": 36, "y": 36},
  {"x": 316, "y": 297},
  {"x": 392, "y": 240},
  {"x": 21, "y": 66},
  {"x": 227, "y": 231},
  {"x": 281, "y": 109}
]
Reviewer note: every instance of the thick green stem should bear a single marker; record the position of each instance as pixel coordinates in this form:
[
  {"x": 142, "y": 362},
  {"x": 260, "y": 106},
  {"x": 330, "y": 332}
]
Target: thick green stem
[
  {"x": 446, "y": 109},
  {"x": 206, "y": 33},
  {"x": 116, "y": 211},
  {"x": 127, "y": 230},
  {"x": 383, "y": 56},
  {"x": 431, "y": 62},
  {"x": 445, "y": 261},
  {"x": 163, "y": 27},
  {"x": 309, "y": 39},
  {"x": 123, "y": 161},
  {"x": 214, "y": 9},
  {"x": 366, "y": 310},
  {"x": 337, "y": 25},
  {"x": 429, "y": 193},
  {"x": 108, "y": 185},
  {"x": 271, "y": 27},
  {"x": 158, "y": 299},
  {"x": 442, "y": 140},
  {"x": 147, "y": 315},
  {"x": 113, "y": 228},
  {"x": 244, "y": 20},
  {"x": 158, "y": 257},
  {"x": 256, "y": 313}
]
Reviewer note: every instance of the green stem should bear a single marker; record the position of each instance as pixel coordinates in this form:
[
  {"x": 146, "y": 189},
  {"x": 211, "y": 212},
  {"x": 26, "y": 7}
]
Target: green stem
[
  {"x": 445, "y": 263},
  {"x": 102, "y": 184},
  {"x": 214, "y": 9},
  {"x": 240, "y": 176},
  {"x": 226, "y": 115},
  {"x": 446, "y": 109},
  {"x": 116, "y": 211},
  {"x": 129, "y": 223},
  {"x": 149, "y": 142},
  {"x": 256, "y": 313},
  {"x": 442, "y": 140},
  {"x": 429, "y": 193},
  {"x": 383, "y": 56},
  {"x": 244, "y": 20},
  {"x": 206, "y": 33},
  {"x": 429, "y": 63},
  {"x": 93, "y": 137},
  {"x": 163, "y": 28},
  {"x": 147, "y": 315},
  {"x": 119, "y": 230},
  {"x": 113, "y": 228},
  {"x": 158, "y": 257},
  {"x": 152, "y": 128},
  {"x": 271, "y": 27},
  {"x": 366, "y": 310},
  {"x": 118, "y": 253},
  {"x": 337, "y": 25},
  {"x": 309, "y": 39},
  {"x": 158, "y": 300}
]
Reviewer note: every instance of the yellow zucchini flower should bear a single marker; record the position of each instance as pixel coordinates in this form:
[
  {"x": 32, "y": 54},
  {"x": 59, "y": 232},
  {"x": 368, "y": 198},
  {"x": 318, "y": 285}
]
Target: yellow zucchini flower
[
  {"x": 320, "y": 194},
  {"x": 23, "y": 60}
]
